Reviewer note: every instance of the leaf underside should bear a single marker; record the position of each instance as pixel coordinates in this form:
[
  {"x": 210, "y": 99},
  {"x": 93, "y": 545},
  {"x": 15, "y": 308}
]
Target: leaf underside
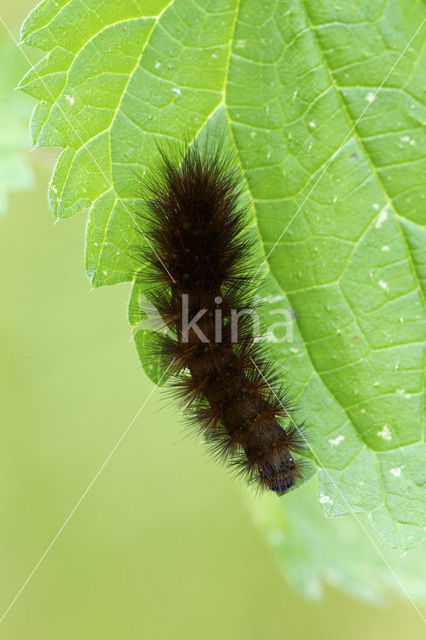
[{"x": 323, "y": 106}]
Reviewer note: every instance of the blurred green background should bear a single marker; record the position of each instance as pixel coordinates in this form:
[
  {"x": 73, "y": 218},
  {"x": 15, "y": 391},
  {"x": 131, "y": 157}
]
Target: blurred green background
[{"x": 163, "y": 545}]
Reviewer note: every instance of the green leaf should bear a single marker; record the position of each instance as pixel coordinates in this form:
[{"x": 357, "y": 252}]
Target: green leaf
[
  {"x": 15, "y": 170},
  {"x": 313, "y": 551},
  {"x": 323, "y": 106}
]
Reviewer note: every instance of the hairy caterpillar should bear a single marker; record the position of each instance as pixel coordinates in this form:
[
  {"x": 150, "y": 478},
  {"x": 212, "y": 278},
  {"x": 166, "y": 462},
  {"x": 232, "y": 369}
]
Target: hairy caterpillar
[{"x": 198, "y": 261}]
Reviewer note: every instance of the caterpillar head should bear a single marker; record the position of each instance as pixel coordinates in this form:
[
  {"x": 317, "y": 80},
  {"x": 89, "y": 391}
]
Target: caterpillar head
[{"x": 281, "y": 476}]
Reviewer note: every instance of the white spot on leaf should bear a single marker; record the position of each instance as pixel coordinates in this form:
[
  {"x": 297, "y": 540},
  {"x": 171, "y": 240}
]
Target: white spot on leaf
[
  {"x": 381, "y": 218},
  {"x": 385, "y": 433},
  {"x": 384, "y": 285}
]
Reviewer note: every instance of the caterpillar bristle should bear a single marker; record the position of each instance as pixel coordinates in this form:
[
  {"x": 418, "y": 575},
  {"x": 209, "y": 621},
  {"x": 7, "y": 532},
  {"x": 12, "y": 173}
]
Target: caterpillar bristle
[{"x": 200, "y": 263}]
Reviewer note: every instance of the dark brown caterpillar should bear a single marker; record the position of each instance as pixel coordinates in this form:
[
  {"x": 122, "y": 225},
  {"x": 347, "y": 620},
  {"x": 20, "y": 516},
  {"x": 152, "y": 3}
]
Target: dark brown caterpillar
[{"x": 198, "y": 258}]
